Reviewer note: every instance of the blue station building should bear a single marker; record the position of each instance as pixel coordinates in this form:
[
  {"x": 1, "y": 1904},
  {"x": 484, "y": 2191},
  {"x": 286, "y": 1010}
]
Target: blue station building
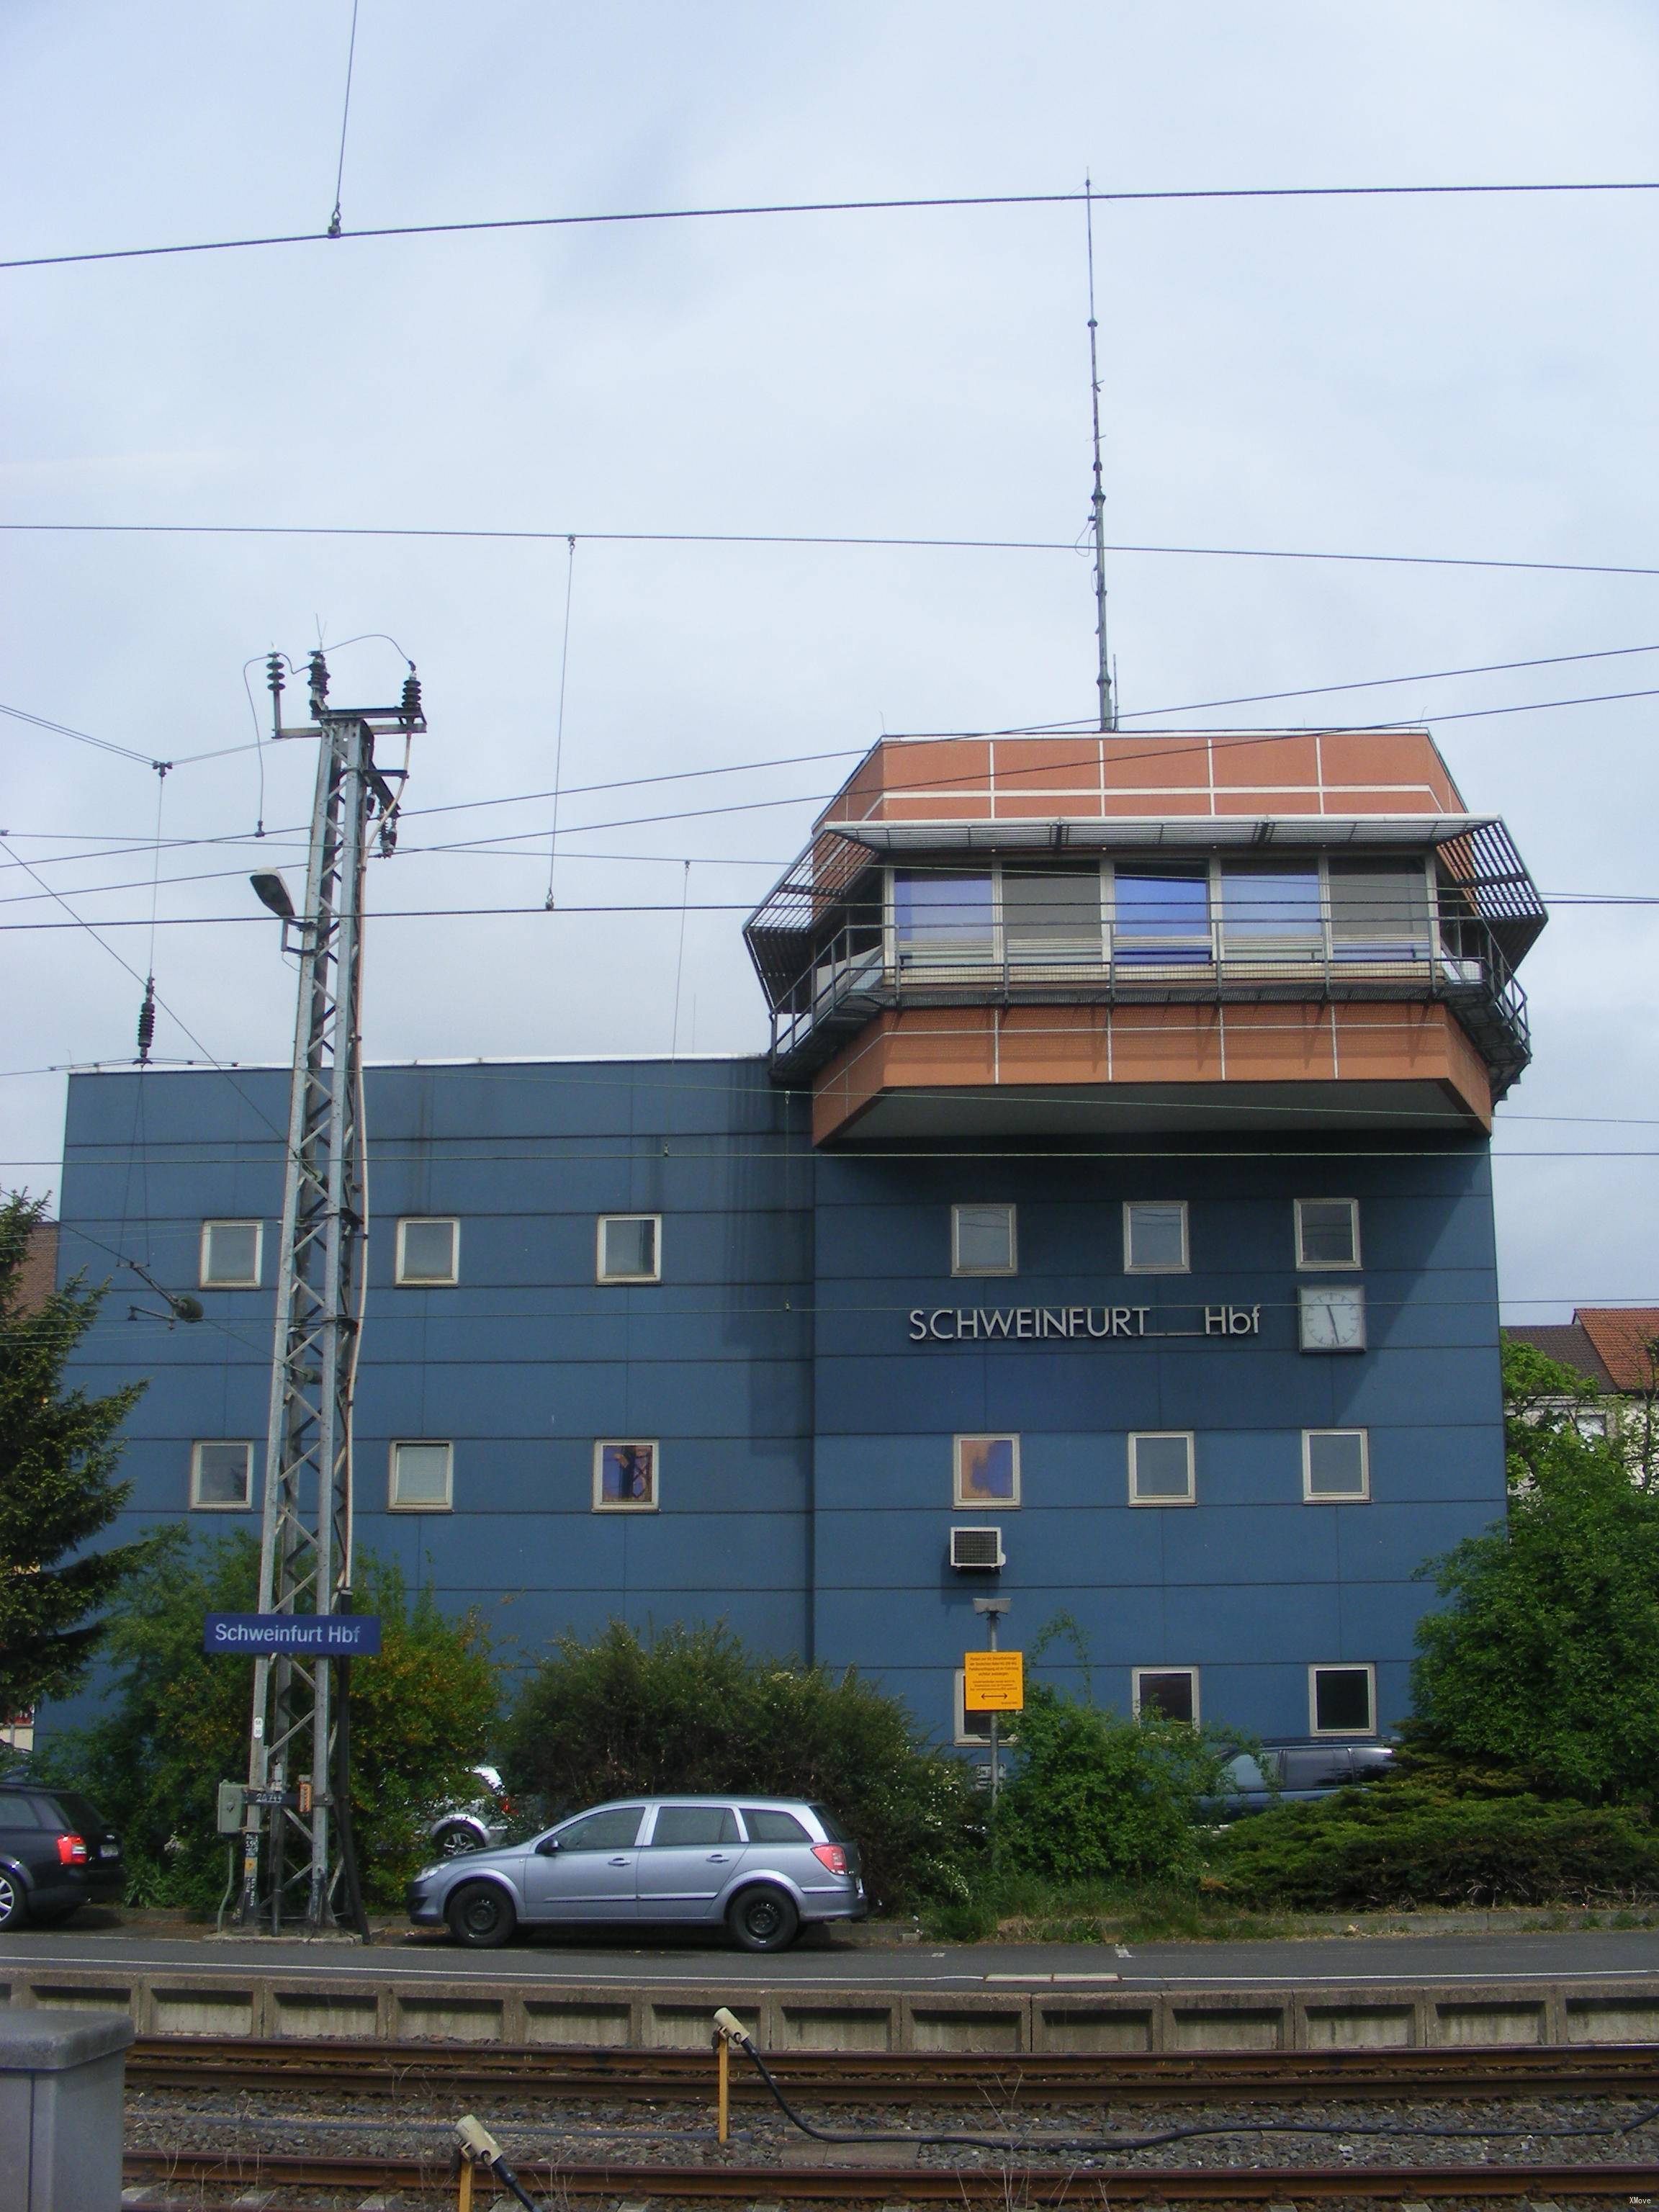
[{"x": 1108, "y": 1228}]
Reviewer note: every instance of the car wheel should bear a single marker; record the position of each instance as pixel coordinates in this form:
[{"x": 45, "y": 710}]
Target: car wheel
[
  {"x": 455, "y": 1837},
  {"x": 14, "y": 1908},
  {"x": 481, "y": 1916},
  {"x": 763, "y": 1920}
]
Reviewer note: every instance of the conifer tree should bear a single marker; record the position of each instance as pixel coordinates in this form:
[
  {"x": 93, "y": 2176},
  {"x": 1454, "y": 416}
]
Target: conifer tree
[{"x": 58, "y": 1491}]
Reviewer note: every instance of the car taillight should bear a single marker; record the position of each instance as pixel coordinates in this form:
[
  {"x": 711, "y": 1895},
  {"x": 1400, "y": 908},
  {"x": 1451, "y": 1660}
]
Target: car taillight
[
  {"x": 831, "y": 1855},
  {"x": 71, "y": 1851},
  {"x": 509, "y": 1809}
]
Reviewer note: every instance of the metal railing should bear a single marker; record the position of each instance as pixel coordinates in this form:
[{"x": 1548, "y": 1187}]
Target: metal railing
[{"x": 858, "y": 971}]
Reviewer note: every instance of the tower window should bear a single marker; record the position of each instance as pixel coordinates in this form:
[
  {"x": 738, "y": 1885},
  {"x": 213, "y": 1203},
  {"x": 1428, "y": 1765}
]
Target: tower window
[
  {"x": 429, "y": 1250},
  {"x": 629, "y": 1247},
  {"x": 624, "y": 1478},
  {"x": 987, "y": 1470},
  {"x": 221, "y": 1478},
  {"x": 231, "y": 1254},
  {"x": 422, "y": 1478},
  {"x": 1161, "y": 1467},
  {"x": 1328, "y": 1232},
  {"x": 1335, "y": 1465},
  {"x": 1342, "y": 1700},
  {"x": 1171, "y": 1692},
  {"x": 983, "y": 1241},
  {"x": 1155, "y": 1236}
]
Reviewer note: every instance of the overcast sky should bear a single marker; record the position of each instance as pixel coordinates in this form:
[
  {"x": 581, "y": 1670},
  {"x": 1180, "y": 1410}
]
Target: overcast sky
[{"x": 1469, "y": 377}]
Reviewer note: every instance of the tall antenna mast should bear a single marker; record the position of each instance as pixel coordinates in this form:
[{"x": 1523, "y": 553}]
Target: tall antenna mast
[{"x": 1097, "y": 504}]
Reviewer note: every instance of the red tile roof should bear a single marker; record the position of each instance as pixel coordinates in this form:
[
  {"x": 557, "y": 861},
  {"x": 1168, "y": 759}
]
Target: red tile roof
[{"x": 1622, "y": 1336}]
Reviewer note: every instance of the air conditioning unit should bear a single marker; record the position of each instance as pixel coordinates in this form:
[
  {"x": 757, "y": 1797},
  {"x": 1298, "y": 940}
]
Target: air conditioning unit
[{"x": 980, "y": 1548}]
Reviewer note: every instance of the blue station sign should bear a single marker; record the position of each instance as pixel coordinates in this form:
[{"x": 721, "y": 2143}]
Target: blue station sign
[{"x": 306, "y": 1635}]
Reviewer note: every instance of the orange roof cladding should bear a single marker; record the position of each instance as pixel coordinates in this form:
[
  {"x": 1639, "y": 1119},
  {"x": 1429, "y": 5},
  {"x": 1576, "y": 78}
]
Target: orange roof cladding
[
  {"x": 1622, "y": 1336},
  {"x": 1101, "y": 775}
]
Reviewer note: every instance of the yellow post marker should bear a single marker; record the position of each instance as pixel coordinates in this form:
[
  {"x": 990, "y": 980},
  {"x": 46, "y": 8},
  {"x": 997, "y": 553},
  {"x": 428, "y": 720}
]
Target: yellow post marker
[
  {"x": 725, "y": 2086},
  {"x": 464, "y": 2193}
]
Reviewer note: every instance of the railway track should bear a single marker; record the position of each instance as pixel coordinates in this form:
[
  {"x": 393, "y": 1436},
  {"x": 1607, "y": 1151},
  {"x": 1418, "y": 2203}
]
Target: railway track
[
  {"x": 469, "y": 2070},
  {"x": 212, "y": 2179}
]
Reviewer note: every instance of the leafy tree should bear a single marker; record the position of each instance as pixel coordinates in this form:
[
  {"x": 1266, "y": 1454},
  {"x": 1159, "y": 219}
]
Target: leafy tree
[
  {"x": 1097, "y": 1798},
  {"x": 176, "y": 1721},
  {"x": 1546, "y": 1662},
  {"x": 58, "y": 1491},
  {"x": 692, "y": 1710}
]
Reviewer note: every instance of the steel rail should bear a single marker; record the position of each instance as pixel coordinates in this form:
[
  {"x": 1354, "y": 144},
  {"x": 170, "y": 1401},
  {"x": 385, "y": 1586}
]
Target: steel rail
[
  {"x": 992, "y": 2182},
  {"x": 841, "y": 2077}
]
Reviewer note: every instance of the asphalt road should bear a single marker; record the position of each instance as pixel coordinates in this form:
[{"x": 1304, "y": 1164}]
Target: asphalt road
[{"x": 1588, "y": 1954}]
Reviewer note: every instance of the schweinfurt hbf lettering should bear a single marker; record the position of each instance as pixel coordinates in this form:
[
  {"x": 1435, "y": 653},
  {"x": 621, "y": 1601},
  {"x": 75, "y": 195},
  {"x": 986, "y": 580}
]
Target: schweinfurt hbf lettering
[
  {"x": 971, "y": 1324},
  {"x": 356, "y": 1635}
]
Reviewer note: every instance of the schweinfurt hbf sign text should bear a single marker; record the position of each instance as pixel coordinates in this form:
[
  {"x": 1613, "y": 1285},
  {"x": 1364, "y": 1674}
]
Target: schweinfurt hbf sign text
[{"x": 971, "y": 1324}]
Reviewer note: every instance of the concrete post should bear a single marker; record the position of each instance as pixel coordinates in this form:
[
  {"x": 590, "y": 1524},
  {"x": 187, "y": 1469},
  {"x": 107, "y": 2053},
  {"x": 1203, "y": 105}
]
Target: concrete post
[{"x": 61, "y": 2078}]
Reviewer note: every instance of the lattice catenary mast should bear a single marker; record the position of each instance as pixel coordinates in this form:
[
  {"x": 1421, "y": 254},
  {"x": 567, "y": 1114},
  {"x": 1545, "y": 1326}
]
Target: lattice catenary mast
[{"x": 294, "y": 1864}]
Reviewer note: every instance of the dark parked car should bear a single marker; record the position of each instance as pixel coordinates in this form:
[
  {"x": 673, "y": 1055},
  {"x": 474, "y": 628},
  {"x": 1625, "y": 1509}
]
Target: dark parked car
[
  {"x": 757, "y": 1866},
  {"x": 1296, "y": 1773},
  {"x": 56, "y": 1852}
]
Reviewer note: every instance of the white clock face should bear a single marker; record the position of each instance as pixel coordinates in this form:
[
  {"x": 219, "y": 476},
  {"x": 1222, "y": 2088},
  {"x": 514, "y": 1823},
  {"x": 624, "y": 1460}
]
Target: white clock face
[{"x": 1333, "y": 1317}]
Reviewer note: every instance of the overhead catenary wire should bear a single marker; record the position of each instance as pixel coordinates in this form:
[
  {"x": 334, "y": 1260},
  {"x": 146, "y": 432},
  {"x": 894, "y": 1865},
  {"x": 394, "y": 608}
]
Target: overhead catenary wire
[
  {"x": 912, "y": 202},
  {"x": 803, "y": 538},
  {"x": 854, "y": 752},
  {"x": 77, "y": 921}
]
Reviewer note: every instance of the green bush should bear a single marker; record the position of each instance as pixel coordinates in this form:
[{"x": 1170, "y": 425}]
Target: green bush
[
  {"x": 1546, "y": 1662},
  {"x": 1407, "y": 1843},
  {"x": 176, "y": 1722},
  {"x": 1097, "y": 1798},
  {"x": 693, "y": 1711}
]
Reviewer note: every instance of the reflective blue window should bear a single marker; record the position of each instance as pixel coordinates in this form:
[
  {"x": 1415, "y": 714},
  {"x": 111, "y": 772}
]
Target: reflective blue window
[
  {"x": 942, "y": 917},
  {"x": 1162, "y": 915}
]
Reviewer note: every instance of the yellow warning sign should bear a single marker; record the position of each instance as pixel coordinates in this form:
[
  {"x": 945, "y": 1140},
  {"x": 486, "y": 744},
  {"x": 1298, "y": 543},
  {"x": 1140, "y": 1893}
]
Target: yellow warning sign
[{"x": 994, "y": 1681}]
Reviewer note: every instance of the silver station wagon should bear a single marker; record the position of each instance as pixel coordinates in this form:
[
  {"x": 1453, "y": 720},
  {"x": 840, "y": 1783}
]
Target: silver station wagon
[{"x": 760, "y": 1867}]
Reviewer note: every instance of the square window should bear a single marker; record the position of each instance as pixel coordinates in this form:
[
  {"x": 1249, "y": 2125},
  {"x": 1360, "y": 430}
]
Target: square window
[
  {"x": 231, "y": 1253},
  {"x": 629, "y": 1249},
  {"x": 943, "y": 916},
  {"x": 983, "y": 1241},
  {"x": 624, "y": 1478},
  {"x": 1171, "y": 1693},
  {"x": 1161, "y": 915},
  {"x": 422, "y": 1477},
  {"x": 1335, "y": 1465},
  {"x": 1155, "y": 1236},
  {"x": 429, "y": 1250},
  {"x": 1051, "y": 914},
  {"x": 1161, "y": 1467},
  {"x": 987, "y": 1470},
  {"x": 1328, "y": 1232},
  {"x": 971, "y": 1729},
  {"x": 221, "y": 1478},
  {"x": 1342, "y": 1700}
]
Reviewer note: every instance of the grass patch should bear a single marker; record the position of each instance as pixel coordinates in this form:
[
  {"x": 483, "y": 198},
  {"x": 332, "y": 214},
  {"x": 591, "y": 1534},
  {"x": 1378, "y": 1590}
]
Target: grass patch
[{"x": 1021, "y": 1908}]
